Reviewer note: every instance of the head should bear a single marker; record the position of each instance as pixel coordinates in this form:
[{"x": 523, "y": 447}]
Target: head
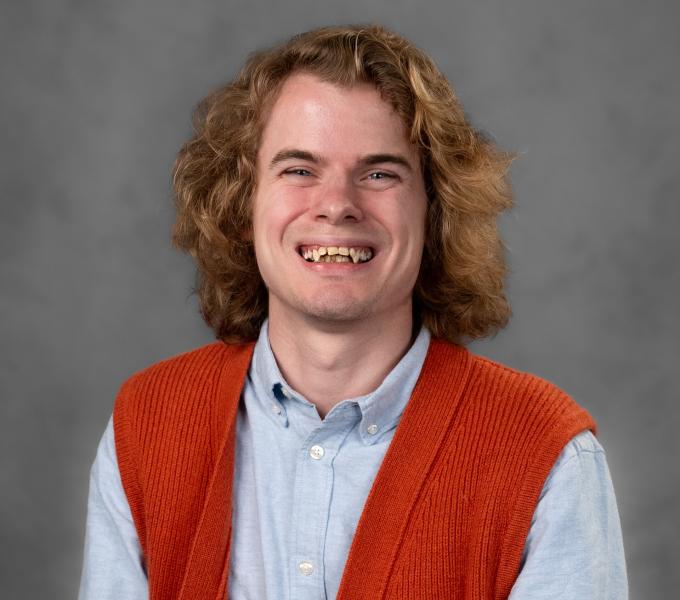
[{"x": 458, "y": 285}]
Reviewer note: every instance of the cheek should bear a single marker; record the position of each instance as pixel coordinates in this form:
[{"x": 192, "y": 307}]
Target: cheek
[
  {"x": 273, "y": 225},
  {"x": 412, "y": 217},
  {"x": 270, "y": 214},
  {"x": 413, "y": 234}
]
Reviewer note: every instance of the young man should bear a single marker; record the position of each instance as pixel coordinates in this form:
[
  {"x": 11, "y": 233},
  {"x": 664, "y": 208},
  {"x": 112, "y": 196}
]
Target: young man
[{"x": 339, "y": 441}]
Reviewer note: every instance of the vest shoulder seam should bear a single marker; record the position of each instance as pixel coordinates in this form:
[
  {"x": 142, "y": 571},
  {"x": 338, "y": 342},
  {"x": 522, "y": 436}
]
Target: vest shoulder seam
[{"x": 488, "y": 366}]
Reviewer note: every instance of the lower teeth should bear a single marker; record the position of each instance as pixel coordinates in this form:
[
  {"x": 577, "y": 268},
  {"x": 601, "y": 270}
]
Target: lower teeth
[{"x": 336, "y": 258}]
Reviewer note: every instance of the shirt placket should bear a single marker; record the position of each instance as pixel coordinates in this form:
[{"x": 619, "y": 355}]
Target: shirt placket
[{"x": 311, "y": 509}]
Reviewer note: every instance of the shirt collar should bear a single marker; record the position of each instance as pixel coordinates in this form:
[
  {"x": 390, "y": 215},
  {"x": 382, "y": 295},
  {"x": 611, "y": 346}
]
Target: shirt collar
[{"x": 380, "y": 410}]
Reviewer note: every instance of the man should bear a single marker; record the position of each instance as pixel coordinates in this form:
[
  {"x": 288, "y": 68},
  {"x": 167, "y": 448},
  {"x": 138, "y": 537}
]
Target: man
[{"x": 339, "y": 441}]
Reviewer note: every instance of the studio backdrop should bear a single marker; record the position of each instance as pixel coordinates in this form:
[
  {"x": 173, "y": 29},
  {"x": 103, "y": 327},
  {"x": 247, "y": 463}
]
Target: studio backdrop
[{"x": 96, "y": 100}]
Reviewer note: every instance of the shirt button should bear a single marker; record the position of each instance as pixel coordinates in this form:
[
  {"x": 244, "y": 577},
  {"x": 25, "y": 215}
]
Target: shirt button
[
  {"x": 372, "y": 429},
  {"x": 306, "y": 568},
  {"x": 276, "y": 408},
  {"x": 316, "y": 452}
]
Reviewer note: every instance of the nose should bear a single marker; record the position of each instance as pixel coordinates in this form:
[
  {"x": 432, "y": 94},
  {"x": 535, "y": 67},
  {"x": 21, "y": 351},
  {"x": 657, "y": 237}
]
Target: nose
[{"x": 337, "y": 202}]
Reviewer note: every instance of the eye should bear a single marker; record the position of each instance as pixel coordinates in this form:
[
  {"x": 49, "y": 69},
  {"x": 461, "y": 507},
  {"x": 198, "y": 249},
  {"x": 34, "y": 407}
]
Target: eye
[
  {"x": 378, "y": 175},
  {"x": 297, "y": 171}
]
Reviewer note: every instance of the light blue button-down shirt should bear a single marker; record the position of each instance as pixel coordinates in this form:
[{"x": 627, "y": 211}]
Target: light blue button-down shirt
[{"x": 300, "y": 484}]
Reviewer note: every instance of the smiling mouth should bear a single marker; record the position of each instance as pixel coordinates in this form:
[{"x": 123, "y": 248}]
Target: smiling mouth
[{"x": 336, "y": 254}]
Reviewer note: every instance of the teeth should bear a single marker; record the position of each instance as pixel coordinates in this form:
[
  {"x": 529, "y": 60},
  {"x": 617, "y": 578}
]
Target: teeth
[
  {"x": 336, "y": 258},
  {"x": 337, "y": 254}
]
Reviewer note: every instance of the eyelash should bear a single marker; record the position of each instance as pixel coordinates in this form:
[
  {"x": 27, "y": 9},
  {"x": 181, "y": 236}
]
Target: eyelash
[
  {"x": 296, "y": 172},
  {"x": 382, "y": 174},
  {"x": 305, "y": 173}
]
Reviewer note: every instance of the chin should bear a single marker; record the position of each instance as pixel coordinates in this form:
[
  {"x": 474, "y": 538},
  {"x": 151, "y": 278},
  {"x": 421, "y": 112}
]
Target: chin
[{"x": 339, "y": 312}]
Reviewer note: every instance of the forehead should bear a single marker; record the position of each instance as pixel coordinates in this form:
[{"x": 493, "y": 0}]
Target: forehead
[{"x": 329, "y": 119}]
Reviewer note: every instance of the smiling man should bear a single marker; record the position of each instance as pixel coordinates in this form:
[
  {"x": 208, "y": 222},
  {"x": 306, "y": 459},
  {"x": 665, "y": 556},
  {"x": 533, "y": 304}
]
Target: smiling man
[
  {"x": 338, "y": 440},
  {"x": 339, "y": 224}
]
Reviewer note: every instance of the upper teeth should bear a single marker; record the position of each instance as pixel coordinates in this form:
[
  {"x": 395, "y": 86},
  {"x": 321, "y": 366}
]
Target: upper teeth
[{"x": 336, "y": 254}]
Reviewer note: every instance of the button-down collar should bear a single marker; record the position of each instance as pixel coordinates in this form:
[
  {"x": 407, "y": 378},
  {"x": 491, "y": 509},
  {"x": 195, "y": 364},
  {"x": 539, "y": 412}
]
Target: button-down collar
[{"x": 380, "y": 410}]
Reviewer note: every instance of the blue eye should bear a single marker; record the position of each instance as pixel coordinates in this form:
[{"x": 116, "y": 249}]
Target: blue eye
[
  {"x": 380, "y": 175},
  {"x": 300, "y": 172}
]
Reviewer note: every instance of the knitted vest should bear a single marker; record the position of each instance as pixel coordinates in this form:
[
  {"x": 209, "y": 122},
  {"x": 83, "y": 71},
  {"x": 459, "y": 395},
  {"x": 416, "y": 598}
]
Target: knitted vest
[{"x": 447, "y": 516}]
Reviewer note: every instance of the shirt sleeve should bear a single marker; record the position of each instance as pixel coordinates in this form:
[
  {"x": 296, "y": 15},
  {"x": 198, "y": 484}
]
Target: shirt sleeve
[
  {"x": 574, "y": 549},
  {"x": 113, "y": 565}
]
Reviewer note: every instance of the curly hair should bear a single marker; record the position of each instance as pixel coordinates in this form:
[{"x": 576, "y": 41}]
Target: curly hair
[{"x": 459, "y": 293}]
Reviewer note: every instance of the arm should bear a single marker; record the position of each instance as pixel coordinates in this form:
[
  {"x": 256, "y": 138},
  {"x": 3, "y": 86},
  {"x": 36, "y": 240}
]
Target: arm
[
  {"x": 574, "y": 549},
  {"x": 113, "y": 565}
]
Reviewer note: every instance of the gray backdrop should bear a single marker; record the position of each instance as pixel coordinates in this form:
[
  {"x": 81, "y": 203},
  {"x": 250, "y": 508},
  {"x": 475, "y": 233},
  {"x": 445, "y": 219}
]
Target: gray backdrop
[{"x": 96, "y": 99}]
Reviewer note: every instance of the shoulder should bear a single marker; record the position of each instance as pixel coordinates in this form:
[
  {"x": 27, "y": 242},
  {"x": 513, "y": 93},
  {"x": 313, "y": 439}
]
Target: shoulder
[
  {"x": 579, "y": 457},
  {"x": 509, "y": 380},
  {"x": 508, "y": 385},
  {"x": 583, "y": 445},
  {"x": 515, "y": 399},
  {"x": 195, "y": 363},
  {"x": 179, "y": 380},
  {"x": 162, "y": 402}
]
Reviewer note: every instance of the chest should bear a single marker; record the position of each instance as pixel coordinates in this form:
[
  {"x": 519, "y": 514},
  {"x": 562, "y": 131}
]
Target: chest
[{"x": 300, "y": 488}]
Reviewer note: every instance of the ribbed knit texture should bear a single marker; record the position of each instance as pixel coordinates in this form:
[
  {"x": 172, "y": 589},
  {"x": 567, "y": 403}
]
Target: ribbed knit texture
[{"x": 448, "y": 513}]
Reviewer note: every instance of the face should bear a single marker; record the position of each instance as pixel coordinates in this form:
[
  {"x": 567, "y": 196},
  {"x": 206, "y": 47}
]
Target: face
[{"x": 339, "y": 209}]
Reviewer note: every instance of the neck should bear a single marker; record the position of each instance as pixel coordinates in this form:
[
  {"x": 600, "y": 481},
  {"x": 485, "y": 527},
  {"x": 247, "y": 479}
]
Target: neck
[{"x": 329, "y": 362}]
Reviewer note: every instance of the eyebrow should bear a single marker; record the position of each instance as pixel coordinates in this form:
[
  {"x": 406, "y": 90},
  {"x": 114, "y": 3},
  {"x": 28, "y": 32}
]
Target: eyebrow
[
  {"x": 288, "y": 154},
  {"x": 377, "y": 159},
  {"x": 368, "y": 160}
]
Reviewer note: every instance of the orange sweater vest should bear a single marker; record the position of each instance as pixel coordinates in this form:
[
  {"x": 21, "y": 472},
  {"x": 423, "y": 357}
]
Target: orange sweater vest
[{"x": 449, "y": 510}]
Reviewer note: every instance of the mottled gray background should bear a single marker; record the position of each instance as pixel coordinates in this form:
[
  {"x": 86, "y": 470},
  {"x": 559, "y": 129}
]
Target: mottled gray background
[{"x": 96, "y": 98}]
